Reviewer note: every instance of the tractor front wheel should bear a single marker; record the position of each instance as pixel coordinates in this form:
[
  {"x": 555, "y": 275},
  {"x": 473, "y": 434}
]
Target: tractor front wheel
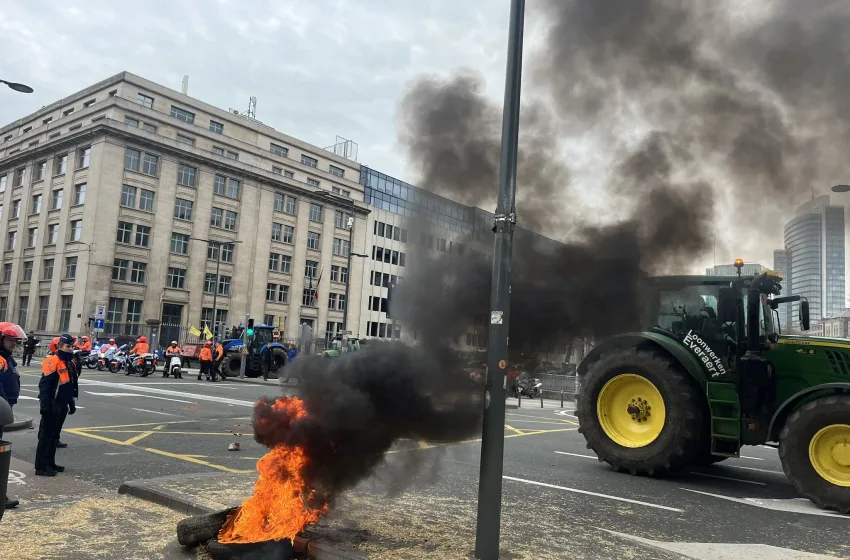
[
  {"x": 230, "y": 365},
  {"x": 639, "y": 412},
  {"x": 814, "y": 447}
]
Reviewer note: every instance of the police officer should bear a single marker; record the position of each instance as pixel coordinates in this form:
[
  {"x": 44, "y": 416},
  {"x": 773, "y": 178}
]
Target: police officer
[
  {"x": 205, "y": 358},
  {"x": 218, "y": 356},
  {"x": 56, "y": 399},
  {"x": 10, "y": 381}
]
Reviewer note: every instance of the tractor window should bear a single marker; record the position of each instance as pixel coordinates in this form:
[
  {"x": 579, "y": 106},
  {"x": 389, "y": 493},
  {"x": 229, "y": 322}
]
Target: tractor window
[
  {"x": 262, "y": 336},
  {"x": 766, "y": 324},
  {"x": 690, "y": 308}
]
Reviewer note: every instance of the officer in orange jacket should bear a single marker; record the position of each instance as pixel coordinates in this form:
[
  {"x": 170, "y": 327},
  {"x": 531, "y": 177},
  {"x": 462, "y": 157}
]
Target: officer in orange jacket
[
  {"x": 86, "y": 345},
  {"x": 141, "y": 347},
  {"x": 56, "y": 399},
  {"x": 10, "y": 382},
  {"x": 218, "y": 356},
  {"x": 206, "y": 361}
]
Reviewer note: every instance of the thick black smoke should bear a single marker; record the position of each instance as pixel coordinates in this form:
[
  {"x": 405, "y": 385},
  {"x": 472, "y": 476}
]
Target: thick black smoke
[{"x": 361, "y": 403}]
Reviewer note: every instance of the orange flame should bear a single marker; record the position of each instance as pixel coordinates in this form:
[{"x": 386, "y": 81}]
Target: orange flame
[{"x": 279, "y": 507}]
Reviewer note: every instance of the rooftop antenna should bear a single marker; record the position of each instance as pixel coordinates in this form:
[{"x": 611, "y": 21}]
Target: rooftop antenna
[
  {"x": 185, "y": 88},
  {"x": 252, "y": 107}
]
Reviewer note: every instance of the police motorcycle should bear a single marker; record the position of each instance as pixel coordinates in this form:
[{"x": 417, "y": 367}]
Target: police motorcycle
[
  {"x": 116, "y": 362},
  {"x": 105, "y": 354},
  {"x": 89, "y": 359},
  {"x": 142, "y": 365}
]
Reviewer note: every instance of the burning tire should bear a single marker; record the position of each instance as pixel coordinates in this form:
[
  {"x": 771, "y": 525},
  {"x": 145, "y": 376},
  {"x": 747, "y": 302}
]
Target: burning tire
[
  {"x": 202, "y": 528},
  {"x": 814, "y": 447},
  {"x": 638, "y": 411}
]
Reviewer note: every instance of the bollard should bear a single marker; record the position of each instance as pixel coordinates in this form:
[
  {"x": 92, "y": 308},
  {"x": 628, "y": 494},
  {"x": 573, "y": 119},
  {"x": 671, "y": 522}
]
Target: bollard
[
  {"x": 519, "y": 401},
  {"x": 562, "y": 399},
  {"x": 541, "y": 400}
]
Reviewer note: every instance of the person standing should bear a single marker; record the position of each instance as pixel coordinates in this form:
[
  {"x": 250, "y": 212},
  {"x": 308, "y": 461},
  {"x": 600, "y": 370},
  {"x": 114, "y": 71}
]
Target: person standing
[
  {"x": 206, "y": 360},
  {"x": 10, "y": 381},
  {"x": 218, "y": 356},
  {"x": 291, "y": 354},
  {"x": 56, "y": 399},
  {"x": 29, "y": 348}
]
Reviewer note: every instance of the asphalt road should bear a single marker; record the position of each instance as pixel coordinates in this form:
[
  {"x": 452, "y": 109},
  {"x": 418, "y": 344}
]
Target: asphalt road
[{"x": 132, "y": 428}]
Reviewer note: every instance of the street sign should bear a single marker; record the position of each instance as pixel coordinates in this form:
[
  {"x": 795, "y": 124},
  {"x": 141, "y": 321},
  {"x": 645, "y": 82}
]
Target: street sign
[
  {"x": 98, "y": 324},
  {"x": 101, "y": 314}
]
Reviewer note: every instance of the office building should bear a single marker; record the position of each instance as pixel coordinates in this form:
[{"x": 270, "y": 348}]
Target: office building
[
  {"x": 164, "y": 209},
  {"x": 814, "y": 240},
  {"x": 782, "y": 265},
  {"x": 749, "y": 269}
]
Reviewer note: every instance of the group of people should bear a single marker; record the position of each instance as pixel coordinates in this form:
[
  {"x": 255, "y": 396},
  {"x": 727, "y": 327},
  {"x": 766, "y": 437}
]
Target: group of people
[{"x": 58, "y": 390}]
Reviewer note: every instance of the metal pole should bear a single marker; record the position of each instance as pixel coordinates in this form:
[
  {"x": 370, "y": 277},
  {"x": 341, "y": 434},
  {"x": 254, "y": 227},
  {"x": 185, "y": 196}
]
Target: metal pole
[
  {"x": 493, "y": 436},
  {"x": 348, "y": 275},
  {"x": 215, "y": 288},
  {"x": 242, "y": 362}
]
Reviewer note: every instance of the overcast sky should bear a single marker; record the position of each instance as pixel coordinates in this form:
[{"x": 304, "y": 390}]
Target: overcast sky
[{"x": 319, "y": 68}]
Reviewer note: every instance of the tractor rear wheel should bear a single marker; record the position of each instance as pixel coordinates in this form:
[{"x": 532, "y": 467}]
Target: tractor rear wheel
[
  {"x": 639, "y": 412},
  {"x": 814, "y": 447},
  {"x": 230, "y": 365}
]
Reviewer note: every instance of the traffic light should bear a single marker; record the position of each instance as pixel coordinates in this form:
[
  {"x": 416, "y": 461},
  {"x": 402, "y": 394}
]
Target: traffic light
[{"x": 250, "y": 331}]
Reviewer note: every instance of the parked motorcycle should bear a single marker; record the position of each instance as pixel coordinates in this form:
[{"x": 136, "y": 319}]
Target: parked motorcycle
[
  {"x": 530, "y": 387},
  {"x": 117, "y": 361},
  {"x": 173, "y": 367},
  {"x": 143, "y": 365},
  {"x": 89, "y": 359}
]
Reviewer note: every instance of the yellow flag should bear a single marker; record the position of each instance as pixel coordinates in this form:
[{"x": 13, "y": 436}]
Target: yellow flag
[
  {"x": 193, "y": 331},
  {"x": 207, "y": 332}
]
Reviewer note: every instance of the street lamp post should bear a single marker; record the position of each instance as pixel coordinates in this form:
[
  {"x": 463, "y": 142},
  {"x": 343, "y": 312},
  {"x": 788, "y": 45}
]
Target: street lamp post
[
  {"x": 351, "y": 253},
  {"x": 17, "y": 87},
  {"x": 218, "y": 245},
  {"x": 493, "y": 433}
]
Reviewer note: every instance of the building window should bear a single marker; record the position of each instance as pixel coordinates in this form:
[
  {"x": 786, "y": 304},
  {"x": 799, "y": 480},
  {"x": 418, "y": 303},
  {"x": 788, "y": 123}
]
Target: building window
[
  {"x": 315, "y": 212},
  {"x": 70, "y": 268},
  {"x": 308, "y": 161},
  {"x": 218, "y": 151},
  {"x": 343, "y": 275},
  {"x": 16, "y": 209},
  {"x": 128, "y": 196},
  {"x": 308, "y": 299},
  {"x": 3, "y": 183},
  {"x": 65, "y": 313},
  {"x": 288, "y": 234},
  {"x": 186, "y": 140},
  {"x": 274, "y": 262},
  {"x": 19, "y": 177},
  {"x": 134, "y": 315},
  {"x": 130, "y": 121},
  {"x": 182, "y": 114},
  {"x": 145, "y": 101},
  {"x": 183, "y": 209},
  {"x": 336, "y": 171},
  {"x": 341, "y": 219},
  {"x": 10, "y": 240},
  {"x": 52, "y": 234},
  {"x": 137, "y": 274},
  {"x": 186, "y": 175},
  {"x": 217, "y": 217},
  {"x": 331, "y": 302},
  {"x": 310, "y": 269},
  {"x": 334, "y": 273},
  {"x": 209, "y": 283},
  {"x": 132, "y": 159},
  {"x": 313, "y": 182},
  {"x": 277, "y": 170},
  {"x": 278, "y": 201},
  {"x": 47, "y": 269},
  {"x": 231, "y": 155},
  {"x": 27, "y": 271},
  {"x": 341, "y": 302},
  {"x": 402, "y": 259},
  {"x": 313, "y": 241},
  {"x": 76, "y": 230},
  {"x": 56, "y": 199},
  {"x": 7, "y": 272},
  {"x": 283, "y": 294},
  {"x": 147, "y": 127},
  {"x": 290, "y": 205},
  {"x": 119, "y": 269},
  {"x": 271, "y": 292},
  {"x": 216, "y": 127},
  {"x": 61, "y": 164},
  {"x": 43, "y": 307},
  {"x": 125, "y": 232},
  {"x": 36, "y": 204},
  {"x": 24, "y": 302},
  {"x": 224, "y": 285},
  {"x": 279, "y": 150},
  {"x": 115, "y": 310},
  {"x": 149, "y": 164},
  {"x": 268, "y": 319},
  {"x": 179, "y": 243},
  {"x": 79, "y": 194},
  {"x": 146, "y": 200},
  {"x": 285, "y": 263},
  {"x": 226, "y": 252},
  {"x": 143, "y": 234},
  {"x": 341, "y": 247},
  {"x": 230, "y": 220},
  {"x": 288, "y": 174},
  {"x": 40, "y": 171},
  {"x": 277, "y": 232},
  {"x": 32, "y": 237},
  {"x": 83, "y": 157},
  {"x": 176, "y": 278}
]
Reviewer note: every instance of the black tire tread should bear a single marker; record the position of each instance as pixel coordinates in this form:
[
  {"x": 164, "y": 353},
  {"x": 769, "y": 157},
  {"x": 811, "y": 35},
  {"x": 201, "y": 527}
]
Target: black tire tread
[
  {"x": 837, "y": 500},
  {"x": 685, "y": 394},
  {"x": 193, "y": 531}
]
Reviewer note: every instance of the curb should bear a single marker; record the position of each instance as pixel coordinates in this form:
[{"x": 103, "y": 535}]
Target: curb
[{"x": 20, "y": 423}]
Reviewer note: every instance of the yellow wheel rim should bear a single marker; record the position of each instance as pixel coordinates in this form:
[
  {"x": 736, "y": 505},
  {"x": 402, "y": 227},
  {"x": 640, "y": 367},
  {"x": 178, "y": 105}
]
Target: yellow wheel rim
[
  {"x": 631, "y": 410},
  {"x": 829, "y": 453}
]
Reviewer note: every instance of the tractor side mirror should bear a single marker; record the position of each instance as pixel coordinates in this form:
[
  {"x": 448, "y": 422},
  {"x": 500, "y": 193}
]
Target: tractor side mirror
[
  {"x": 804, "y": 314},
  {"x": 727, "y": 305}
]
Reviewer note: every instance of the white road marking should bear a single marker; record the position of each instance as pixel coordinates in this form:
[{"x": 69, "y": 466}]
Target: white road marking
[
  {"x": 754, "y": 469},
  {"x": 155, "y": 391},
  {"x": 751, "y": 458},
  {"x": 576, "y": 455},
  {"x": 27, "y": 398},
  {"x": 29, "y": 390},
  {"x": 184, "y": 383},
  {"x": 596, "y": 494},
  {"x": 790, "y": 505},
  {"x": 137, "y": 395},
  {"x": 727, "y": 551},
  {"x": 151, "y": 411},
  {"x": 729, "y": 478}
]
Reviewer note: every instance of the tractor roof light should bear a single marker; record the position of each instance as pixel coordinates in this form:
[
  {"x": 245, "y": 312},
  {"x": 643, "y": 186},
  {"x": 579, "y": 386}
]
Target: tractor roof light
[{"x": 739, "y": 263}]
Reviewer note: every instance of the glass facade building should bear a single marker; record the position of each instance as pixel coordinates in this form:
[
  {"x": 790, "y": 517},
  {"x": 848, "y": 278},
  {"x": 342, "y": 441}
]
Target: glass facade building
[
  {"x": 781, "y": 265},
  {"x": 814, "y": 242}
]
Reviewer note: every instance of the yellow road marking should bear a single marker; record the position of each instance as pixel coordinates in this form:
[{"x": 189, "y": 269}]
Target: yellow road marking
[
  {"x": 191, "y": 459},
  {"x": 160, "y": 427},
  {"x": 515, "y": 420},
  {"x": 511, "y": 428},
  {"x": 139, "y": 437},
  {"x": 136, "y": 425},
  {"x": 547, "y": 418},
  {"x": 99, "y": 430}
]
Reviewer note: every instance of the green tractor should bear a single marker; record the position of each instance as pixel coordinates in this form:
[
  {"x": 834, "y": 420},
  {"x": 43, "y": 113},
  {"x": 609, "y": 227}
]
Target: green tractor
[
  {"x": 336, "y": 347},
  {"x": 712, "y": 373}
]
